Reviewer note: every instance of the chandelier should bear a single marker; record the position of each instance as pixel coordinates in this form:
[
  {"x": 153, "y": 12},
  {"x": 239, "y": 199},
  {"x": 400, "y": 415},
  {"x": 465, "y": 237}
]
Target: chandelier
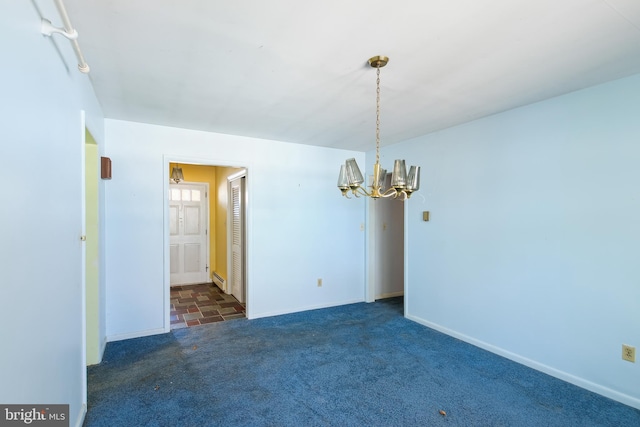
[
  {"x": 402, "y": 184},
  {"x": 176, "y": 174}
]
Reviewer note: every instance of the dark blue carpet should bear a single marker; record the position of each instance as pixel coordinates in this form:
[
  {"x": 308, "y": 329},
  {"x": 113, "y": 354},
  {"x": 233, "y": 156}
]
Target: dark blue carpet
[{"x": 354, "y": 365}]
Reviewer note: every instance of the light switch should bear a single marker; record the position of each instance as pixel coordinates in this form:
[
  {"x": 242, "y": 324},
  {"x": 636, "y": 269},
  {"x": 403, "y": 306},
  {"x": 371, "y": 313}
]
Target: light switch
[{"x": 425, "y": 216}]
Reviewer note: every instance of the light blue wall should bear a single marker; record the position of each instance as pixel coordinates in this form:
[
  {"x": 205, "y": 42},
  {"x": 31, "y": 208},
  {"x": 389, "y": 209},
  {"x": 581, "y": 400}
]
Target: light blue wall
[
  {"x": 41, "y": 138},
  {"x": 300, "y": 228},
  {"x": 533, "y": 248}
]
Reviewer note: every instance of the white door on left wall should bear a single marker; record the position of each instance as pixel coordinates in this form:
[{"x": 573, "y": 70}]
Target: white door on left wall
[{"x": 188, "y": 234}]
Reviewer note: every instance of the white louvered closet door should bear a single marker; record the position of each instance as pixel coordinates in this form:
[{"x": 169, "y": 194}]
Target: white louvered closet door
[{"x": 237, "y": 239}]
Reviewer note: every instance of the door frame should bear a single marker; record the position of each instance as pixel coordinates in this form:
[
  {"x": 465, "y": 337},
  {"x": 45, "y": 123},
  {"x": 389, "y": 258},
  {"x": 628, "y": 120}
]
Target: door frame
[
  {"x": 167, "y": 159},
  {"x": 83, "y": 258}
]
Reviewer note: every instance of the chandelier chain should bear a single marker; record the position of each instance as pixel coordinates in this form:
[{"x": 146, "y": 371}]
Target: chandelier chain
[{"x": 378, "y": 114}]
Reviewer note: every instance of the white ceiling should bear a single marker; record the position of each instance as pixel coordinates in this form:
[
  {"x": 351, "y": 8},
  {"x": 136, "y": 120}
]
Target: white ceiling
[{"x": 297, "y": 71}]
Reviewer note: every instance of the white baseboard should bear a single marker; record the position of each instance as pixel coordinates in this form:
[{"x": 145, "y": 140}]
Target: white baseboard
[
  {"x": 306, "y": 308},
  {"x": 103, "y": 346},
  {"x": 137, "y": 334},
  {"x": 580, "y": 382},
  {"x": 390, "y": 295},
  {"x": 81, "y": 416},
  {"x": 199, "y": 282}
]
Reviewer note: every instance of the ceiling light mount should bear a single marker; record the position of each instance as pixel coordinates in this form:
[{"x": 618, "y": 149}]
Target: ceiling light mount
[
  {"x": 378, "y": 61},
  {"x": 402, "y": 184}
]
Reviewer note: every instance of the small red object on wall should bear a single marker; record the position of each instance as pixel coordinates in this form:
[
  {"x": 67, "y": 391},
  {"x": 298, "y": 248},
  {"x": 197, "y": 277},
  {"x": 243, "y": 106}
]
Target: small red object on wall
[{"x": 105, "y": 168}]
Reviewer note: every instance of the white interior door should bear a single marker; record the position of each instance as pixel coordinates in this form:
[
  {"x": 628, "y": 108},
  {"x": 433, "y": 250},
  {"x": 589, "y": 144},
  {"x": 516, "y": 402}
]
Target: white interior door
[
  {"x": 237, "y": 231},
  {"x": 188, "y": 234}
]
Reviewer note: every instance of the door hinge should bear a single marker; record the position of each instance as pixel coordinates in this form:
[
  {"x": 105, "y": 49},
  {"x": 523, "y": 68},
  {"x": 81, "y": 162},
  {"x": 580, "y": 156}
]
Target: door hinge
[{"x": 207, "y": 268}]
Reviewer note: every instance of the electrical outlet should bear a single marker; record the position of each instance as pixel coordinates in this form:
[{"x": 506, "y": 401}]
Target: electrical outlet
[
  {"x": 319, "y": 283},
  {"x": 628, "y": 353}
]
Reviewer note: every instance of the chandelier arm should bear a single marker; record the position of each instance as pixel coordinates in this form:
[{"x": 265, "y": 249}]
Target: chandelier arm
[
  {"x": 345, "y": 192},
  {"x": 395, "y": 193},
  {"x": 362, "y": 192},
  {"x": 392, "y": 192}
]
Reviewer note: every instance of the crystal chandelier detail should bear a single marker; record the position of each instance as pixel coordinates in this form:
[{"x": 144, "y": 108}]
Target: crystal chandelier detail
[{"x": 402, "y": 185}]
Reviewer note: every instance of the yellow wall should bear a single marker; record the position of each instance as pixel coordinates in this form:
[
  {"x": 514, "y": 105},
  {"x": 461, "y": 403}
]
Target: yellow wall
[{"x": 92, "y": 254}]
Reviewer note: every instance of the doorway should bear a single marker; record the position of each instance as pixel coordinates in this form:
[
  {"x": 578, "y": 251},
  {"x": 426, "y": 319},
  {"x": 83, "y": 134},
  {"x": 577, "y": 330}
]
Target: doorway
[
  {"x": 213, "y": 286},
  {"x": 387, "y": 246},
  {"x": 93, "y": 341}
]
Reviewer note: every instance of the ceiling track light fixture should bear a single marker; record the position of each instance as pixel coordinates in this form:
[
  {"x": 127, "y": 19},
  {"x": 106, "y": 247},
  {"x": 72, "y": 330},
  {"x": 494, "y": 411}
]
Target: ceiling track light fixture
[
  {"x": 47, "y": 29},
  {"x": 402, "y": 185}
]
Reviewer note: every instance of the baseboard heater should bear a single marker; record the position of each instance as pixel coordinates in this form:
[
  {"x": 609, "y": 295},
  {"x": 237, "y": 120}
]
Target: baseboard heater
[{"x": 218, "y": 280}]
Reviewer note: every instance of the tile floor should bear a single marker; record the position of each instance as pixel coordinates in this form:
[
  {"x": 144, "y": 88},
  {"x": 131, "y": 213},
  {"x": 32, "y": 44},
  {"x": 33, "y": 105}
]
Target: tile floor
[{"x": 193, "y": 305}]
